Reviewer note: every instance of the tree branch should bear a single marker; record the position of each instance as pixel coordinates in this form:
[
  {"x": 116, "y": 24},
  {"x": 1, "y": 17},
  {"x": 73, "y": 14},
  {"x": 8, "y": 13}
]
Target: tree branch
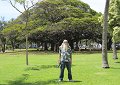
[
  {"x": 31, "y": 2},
  {"x": 24, "y": 6},
  {"x": 15, "y": 7}
]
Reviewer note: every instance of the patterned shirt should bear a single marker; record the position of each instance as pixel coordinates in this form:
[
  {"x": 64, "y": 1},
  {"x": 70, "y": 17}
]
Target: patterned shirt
[{"x": 65, "y": 55}]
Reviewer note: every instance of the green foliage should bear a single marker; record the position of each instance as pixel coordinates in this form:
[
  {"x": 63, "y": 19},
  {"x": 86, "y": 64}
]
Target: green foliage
[
  {"x": 20, "y": 1},
  {"x": 2, "y": 35},
  {"x": 116, "y": 34},
  {"x": 114, "y": 19},
  {"x": 51, "y": 20},
  {"x": 78, "y": 4}
]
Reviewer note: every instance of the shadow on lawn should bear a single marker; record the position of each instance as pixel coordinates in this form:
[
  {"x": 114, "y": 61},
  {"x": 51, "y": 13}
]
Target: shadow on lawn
[
  {"x": 117, "y": 62},
  {"x": 114, "y": 68},
  {"x": 72, "y": 81},
  {"x": 41, "y": 67},
  {"x": 21, "y": 81}
]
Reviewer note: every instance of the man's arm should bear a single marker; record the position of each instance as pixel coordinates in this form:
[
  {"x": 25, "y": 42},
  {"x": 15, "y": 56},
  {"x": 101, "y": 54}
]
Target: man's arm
[
  {"x": 59, "y": 59},
  {"x": 71, "y": 58}
]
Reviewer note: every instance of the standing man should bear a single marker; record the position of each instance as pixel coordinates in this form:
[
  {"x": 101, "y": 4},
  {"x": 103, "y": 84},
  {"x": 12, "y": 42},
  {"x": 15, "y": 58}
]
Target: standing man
[{"x": 65, "y": 60}]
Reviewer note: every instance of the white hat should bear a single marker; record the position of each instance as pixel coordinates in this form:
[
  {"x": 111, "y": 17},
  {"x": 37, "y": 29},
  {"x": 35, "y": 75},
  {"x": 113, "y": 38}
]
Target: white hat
[{"x": 65, "y": 41}]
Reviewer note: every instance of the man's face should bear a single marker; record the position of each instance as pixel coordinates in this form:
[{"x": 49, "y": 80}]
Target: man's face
[{"x": 66, "y": 43}]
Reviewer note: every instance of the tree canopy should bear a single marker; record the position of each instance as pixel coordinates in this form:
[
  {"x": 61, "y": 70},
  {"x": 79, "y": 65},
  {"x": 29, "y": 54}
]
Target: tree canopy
[
  {"x": 52, "y": 21},
  {"x": 114, "y": 19}
]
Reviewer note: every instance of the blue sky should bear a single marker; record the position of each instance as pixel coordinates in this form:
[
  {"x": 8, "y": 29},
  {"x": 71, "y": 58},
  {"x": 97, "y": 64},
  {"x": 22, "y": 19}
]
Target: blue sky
[{"x": 8, "y": 12}]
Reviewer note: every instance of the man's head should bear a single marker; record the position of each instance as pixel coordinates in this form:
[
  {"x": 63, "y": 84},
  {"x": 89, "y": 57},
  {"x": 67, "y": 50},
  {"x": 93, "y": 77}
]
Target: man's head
[
  {"x": 65, "y": 42},
  {"x": 65, "y": 45}
]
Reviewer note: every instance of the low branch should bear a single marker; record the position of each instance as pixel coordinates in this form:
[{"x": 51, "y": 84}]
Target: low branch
[
  {"x": 24, "y": 6},
  {"x": 31, "y": 2},
  {"x": 15, "y": 6}
]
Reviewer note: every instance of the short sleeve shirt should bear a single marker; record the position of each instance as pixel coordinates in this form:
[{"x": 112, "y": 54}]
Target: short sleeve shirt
[{"x": 65, "y": 55}]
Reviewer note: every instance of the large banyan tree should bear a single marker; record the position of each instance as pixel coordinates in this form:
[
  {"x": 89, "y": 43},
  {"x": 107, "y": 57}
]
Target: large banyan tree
[{"x": 52, "y": 21}]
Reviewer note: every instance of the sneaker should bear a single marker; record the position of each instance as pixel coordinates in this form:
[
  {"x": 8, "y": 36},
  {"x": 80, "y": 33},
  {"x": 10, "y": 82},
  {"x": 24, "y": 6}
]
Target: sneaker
[{"x": 60, "y": 80}]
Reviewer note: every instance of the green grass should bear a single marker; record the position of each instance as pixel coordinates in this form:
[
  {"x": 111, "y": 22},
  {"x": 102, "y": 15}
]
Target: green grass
[{"x": 86, "y": 69}]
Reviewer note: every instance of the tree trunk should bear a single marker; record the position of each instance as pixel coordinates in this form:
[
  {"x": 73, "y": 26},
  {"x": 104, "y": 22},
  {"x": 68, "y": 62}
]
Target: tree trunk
[
  {"x": 76, "y": 47},
  {"x": 13, "y": 46},
  {"x": 109, "y": 44},
  {"x": 52, "y": 46},
  {"x": 55, "y": 47},
  {"x": 45, "y": 46},
  {"x": 86, "y": 41},
  {"x": 104, "y": 37},
  {"x": 42, "y": 46},
  {"x": 114, "y": 51},
  {"x": 26, "y": 50},
  {"x": 71, "y": 45},
  {"x": 26, "y": 15},
  {"x": 3, "y": 48},
  {"x": 38, "y": 45}
]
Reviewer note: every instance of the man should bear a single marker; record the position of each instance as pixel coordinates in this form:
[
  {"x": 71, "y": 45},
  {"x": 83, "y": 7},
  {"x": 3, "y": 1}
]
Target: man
[{"x": 65, "y": 60}]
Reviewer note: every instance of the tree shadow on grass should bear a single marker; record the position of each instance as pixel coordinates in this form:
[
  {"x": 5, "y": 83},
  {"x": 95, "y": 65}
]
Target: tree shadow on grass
[
  {"x": 72, "y": 81},
  {"x": 21, "y": 81},
  {"x": 114, "y": 68},
  {"x": 36, "y": 67},
  {"x": 117, "y": 62},
  {"x": 24, "y": 77},
  {"x": 41, "y": 67}
]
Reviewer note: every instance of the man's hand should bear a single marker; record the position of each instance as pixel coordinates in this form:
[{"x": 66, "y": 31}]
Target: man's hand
[
  {"x": 71, "y": 61},
  {"x": 59, "y": 61}
]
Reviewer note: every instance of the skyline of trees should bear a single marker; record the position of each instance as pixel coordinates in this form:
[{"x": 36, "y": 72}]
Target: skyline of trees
[{"x": 72, "y": 20}]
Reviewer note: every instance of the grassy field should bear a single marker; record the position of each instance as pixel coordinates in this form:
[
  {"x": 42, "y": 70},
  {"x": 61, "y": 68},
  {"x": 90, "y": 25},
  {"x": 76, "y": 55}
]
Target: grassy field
[{"x": 86, "y": 69}]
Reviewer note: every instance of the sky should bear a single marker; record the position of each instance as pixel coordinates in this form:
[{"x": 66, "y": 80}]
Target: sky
[
  {"x": 8, "y": 12},
  {"x": 97, "y": 5}
]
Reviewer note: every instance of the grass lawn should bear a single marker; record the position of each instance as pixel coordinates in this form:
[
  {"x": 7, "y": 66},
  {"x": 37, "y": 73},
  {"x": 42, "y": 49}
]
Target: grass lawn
[{"x": 86, "y": 69}]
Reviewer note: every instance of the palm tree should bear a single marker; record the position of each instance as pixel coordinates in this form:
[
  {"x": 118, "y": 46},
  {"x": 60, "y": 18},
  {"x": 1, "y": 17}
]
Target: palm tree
[
  {"x": 104, "y": 37},
  {"x": 114, "y": 12},
  {"x": 114, "y": 51}
]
